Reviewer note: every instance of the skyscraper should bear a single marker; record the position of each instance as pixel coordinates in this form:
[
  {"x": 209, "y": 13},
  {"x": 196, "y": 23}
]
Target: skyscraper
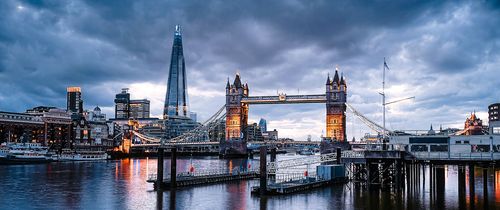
[
  {"x": 176, "y": 97},
  {"x": 74, "y": 100},
  {"x": 122, "y": 104},
  {"x": 263, "y": 125}
]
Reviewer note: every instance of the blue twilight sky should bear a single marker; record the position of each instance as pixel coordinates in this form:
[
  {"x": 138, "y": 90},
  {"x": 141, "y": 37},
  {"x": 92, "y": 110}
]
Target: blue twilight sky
[{"x": 446, "y": 54}]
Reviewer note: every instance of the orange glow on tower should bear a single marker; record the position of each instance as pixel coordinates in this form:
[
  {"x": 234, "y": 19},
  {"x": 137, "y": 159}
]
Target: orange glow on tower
[{"x": 336, "y": 95}]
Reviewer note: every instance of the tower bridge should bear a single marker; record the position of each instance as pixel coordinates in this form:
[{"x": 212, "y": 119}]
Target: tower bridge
[
  {"x": 234, "y": 115},
  {"x": 238, "y": 100}
]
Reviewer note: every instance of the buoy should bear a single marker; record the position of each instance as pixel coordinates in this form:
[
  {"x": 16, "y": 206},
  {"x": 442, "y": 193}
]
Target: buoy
[{"x": 191, "y": 169}]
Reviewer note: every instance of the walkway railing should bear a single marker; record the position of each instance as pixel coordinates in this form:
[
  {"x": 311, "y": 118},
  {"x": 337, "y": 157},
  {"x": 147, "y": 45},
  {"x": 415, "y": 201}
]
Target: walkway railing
[
  {"x": 456, "y": 156},
  {"x": 204, "y": 173},
  {"x": 288, "y": 177}
]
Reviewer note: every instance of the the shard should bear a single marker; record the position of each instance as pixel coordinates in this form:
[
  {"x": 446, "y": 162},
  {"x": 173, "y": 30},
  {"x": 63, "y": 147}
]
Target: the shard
[{"x": 176, "y": 99}]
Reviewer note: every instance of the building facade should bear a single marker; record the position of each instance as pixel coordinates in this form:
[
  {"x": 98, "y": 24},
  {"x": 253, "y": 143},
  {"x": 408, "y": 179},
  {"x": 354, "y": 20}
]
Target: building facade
[
  {"x": 74, "y": 100},
  {"x": 473, "y": 125},
  {"x": 122, "y": 104},
  {"x": 254, "y": 133},
  {"x": 263, "y": 125},
  {"x": 96, "y": 115},
  {"x": 236, "y": 111},
  {"x": 176, "y": 99},
  {"x": 494, "y": 118},
  {"x": 139, "y": 109}
]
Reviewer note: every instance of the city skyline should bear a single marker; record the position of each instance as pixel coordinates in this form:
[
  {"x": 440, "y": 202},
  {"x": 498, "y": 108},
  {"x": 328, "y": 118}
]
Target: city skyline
[{"x": 428, "y": 48}]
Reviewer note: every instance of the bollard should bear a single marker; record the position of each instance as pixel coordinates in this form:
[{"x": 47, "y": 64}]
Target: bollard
[
  {"x": 263, "y": 170},
  {"x": 173, "y": 168},
  {"x": 159, "y": 172}
]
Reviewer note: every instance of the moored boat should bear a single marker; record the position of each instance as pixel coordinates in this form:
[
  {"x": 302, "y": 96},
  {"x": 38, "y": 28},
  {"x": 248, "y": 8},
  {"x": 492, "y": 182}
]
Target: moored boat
[
  {"x": 82, "y": 156},
  {"x": 24, "y": 153}
]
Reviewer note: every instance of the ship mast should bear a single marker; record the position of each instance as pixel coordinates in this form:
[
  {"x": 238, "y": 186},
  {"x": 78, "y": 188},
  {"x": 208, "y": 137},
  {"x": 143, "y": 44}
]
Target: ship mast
[{"x": 383, "y": 101}]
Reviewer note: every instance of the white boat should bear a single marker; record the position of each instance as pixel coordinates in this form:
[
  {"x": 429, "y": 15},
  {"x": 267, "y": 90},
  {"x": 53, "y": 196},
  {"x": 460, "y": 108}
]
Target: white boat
[
  {"x": 24, "y": 153},
  {"x": 83, "y": 156},
  {"x": 4, "y": 151}
]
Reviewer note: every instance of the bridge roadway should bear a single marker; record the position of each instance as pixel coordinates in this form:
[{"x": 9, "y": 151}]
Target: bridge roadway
[
  {"x": 209, "y": 143},
  {"x": 285, "y": 99}
]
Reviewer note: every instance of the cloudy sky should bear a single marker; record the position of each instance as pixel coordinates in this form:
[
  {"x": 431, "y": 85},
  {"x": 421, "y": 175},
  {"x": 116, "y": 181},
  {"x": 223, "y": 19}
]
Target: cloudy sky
[{"x": 446, "y": 54}]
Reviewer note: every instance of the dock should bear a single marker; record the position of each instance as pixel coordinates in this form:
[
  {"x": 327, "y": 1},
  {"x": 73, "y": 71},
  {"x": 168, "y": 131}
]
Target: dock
[
  {"x": 307, "y": 183},
  {"x": 185, "y": 180}
]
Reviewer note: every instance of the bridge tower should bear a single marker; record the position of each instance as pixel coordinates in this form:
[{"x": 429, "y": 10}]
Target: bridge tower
[
  {"x": 236, "y": 119},
  {"x": 336, "y": 95}
]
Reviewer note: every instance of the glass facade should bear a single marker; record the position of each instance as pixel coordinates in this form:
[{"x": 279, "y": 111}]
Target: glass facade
[{"x": 176, "y": 97}]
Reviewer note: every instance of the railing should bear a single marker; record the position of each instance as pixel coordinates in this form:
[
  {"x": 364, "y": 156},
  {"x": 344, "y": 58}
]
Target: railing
[
  {"x": 456, "y": 156},
  {"x": 201, "y": 173},
  {"x": 272, "y": 166},
  {"x": 353, "y": 154},
  {"x": 288, "y": 177}
]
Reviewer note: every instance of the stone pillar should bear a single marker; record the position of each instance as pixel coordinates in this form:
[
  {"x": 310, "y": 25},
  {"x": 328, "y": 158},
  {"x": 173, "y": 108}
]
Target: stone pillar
[{"x": 263, "y": 170}]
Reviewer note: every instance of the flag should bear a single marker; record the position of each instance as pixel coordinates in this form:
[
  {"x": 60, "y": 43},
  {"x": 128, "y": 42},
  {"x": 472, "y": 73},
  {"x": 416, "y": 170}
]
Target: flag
[{"x": 385, "y": 64}]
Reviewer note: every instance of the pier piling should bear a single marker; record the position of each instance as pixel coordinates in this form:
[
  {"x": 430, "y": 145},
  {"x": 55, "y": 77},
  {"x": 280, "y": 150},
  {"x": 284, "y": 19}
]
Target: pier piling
[
  {"x": 263, "y": 170},
  {"x": 339, "y": 154},
  {"x": 159, "y": 172},
  {"x": 485, "y": 187},
  {"x": 472, "y": 188},
  {"x": 173, "y": 168},
  {"x": 272, "y": 177},
  {"x": 461, "y": 187}
]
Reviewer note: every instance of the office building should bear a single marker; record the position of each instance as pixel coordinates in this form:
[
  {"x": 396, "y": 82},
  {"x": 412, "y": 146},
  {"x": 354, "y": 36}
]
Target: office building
[
  {"x": 139, "y": 109},
  {"x": 122, "y": 104},
  {"x": 74, "y": 100}
]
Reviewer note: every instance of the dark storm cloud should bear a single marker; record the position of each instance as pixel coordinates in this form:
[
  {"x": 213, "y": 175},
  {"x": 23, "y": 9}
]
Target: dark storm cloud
[{"x": 442, "y": 52}]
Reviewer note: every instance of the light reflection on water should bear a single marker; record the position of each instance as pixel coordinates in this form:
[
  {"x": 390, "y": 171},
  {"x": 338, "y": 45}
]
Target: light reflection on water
[{"x": 121, "y": 184}]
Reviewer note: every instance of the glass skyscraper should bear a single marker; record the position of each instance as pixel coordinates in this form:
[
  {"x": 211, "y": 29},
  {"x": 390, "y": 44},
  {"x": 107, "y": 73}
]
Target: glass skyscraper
[{"x": 176, "y": 104}]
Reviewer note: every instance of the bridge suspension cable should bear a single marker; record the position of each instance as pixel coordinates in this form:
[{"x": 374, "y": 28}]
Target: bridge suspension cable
[
  {"x": 144, "y": 137},
  {"x": 200, "y": 133},
  {"x": 372, "y": 125}
]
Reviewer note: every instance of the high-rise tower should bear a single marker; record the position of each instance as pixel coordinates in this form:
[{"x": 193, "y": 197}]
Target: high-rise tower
[
  {"x": 176, "y": 103},
  {"x": 74, "y": 100}
]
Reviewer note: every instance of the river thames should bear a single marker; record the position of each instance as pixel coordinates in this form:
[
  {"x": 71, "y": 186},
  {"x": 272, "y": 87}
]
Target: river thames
[{"x": 121, "y": 184}]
